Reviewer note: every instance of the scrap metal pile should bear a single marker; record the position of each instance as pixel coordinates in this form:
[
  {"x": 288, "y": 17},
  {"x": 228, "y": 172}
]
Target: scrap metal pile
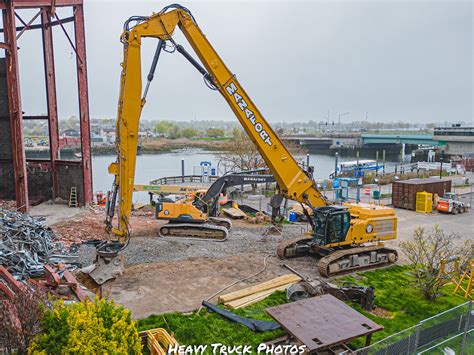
[{"x": 26, "y": 246}]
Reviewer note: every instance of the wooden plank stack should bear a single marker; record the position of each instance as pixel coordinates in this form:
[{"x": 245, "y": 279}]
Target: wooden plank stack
[
  {"x": 258, "y": 292},
  {"x": 234, "y": 213}
]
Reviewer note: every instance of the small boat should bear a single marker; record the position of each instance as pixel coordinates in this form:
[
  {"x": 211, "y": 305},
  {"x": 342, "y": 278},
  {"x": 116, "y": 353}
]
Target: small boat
[{"x": 356, "y": 167}]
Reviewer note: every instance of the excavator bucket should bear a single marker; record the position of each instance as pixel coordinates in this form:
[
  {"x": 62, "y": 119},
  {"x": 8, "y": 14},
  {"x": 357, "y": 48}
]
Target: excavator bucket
[{"x": 105, "y": 268}]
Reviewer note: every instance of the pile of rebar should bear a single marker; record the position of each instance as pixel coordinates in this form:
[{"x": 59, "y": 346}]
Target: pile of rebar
[{"x": 26, "y": 245}]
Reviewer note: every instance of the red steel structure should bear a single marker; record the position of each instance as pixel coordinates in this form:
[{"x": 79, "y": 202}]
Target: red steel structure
[{"x": 48, "y": 19}]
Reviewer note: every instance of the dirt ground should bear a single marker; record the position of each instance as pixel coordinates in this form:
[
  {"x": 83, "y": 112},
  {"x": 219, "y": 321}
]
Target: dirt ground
[
  {"x": 182, "y": 285},
  {"x": 172, "y": 274}
]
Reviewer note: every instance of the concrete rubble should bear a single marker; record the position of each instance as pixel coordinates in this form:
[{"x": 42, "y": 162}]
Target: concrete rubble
[{"x": 26, "y": 246}]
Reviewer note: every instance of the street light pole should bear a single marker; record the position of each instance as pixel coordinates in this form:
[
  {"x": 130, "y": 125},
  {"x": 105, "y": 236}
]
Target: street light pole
[
  {"x": 441, "y": 167},
  {"x": 335, "y": 165},
  {"x": 342, "y": 114}
]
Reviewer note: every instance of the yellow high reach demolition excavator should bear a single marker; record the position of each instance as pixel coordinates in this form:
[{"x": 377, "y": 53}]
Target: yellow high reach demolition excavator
[{"x": 345, "y": 238}]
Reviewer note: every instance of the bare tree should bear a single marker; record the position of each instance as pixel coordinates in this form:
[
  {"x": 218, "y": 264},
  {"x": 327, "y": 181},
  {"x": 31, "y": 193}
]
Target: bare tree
[
  {"x": 427, "y": 251},
  {"x": 240, "y": 153},
  {"x": 20, "y": 318}
]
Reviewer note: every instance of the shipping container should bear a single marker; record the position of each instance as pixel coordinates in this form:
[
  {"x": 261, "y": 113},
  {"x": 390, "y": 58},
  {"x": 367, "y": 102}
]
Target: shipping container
[{"x": 404, "y": 192}]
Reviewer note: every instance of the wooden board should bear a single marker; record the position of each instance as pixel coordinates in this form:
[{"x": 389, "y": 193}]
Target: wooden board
[
  {"x": 267, "y": 285},
  {"x": 256, "y": 297},
  {"x": 234, "y": 213}
]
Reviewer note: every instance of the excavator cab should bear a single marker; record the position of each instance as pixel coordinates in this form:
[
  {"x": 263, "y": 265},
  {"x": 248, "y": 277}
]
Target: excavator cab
[{"x": 330, "y": 224}]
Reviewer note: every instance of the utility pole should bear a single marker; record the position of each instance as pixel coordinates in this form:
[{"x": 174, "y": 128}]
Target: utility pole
[
  {"x": 342, "y": 114},
  {"x": 383, "y": 159},
  {"x": 182, "y": 170},
  {"x": 377, "y": 163},
  {"x": 441, "y": 167},
  {"x": 358, "y": 169}
]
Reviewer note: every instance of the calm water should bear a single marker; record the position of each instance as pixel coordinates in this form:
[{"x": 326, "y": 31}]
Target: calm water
[{"x": 153, "y": 166}]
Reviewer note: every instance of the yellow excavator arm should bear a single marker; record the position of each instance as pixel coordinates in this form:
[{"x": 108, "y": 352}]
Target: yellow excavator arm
[
  {"x": 292, "y": 180},
  {"x": 339, "y": 232}
]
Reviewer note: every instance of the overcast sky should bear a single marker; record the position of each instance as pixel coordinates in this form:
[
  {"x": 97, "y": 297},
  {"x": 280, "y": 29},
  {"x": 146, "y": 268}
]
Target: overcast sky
[{"x": 396, "y": 60}]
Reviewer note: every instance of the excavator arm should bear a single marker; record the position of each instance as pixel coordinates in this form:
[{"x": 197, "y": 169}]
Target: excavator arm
[
  {"x": 211, "y": 198},
  {"x": 292, "y": 180}
]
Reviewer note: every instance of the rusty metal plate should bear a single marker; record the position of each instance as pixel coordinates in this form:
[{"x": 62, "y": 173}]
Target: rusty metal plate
[{"x": 322, "y": 321}]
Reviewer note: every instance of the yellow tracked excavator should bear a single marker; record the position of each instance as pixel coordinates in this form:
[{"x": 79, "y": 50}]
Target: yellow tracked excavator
[
  {"x": 344, "y": 238},
  {"x": 199, "y": 218}
]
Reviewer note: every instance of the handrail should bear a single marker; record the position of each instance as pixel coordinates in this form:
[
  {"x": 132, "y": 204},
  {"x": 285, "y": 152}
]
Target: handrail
[{"x": 182, "y": 178}]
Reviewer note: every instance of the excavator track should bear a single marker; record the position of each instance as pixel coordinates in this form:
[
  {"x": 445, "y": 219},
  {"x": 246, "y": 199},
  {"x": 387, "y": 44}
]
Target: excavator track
[
  {"x": 349, "y": 260},
  {"x": 223, "y": 222},
  {"x": 194, "y": 230},
  {"x": 283, "y": 249}
]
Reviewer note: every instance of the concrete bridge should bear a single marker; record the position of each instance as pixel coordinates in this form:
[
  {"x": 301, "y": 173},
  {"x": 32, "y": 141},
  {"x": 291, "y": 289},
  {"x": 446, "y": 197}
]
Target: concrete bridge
[
  {"x": 414, "y": 139},
  {"x": 356, "y": 140},
  {"x": 452, "y": 140},
  {"x": 332, "y": 141}
]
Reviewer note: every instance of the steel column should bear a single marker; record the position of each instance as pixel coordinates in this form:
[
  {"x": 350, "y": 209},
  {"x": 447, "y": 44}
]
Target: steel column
[
  {"x": 83, "y": 101},
  {"x": 50, "y": 81},
  {"x": 14, "y": 106}
]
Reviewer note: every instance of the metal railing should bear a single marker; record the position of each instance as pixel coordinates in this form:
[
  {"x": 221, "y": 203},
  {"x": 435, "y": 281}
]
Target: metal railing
[
  {"x": 185, "y": 178},
  {"x": 449, "y": 329}
]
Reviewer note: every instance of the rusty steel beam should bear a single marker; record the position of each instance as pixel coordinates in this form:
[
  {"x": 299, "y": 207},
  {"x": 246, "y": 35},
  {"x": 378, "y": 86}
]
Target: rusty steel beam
[
  {"x": 51, "y": 99},
  {"x": 35, "y": 117},
  {"x": 68, "y": 38},
  {"x": 81, "y": 64},
  {"x": 39, "y": 25},
  {"x": 14, "y": 106},
  {"x": 27, "y": 25},
  {"x": 25, "y": 4}
]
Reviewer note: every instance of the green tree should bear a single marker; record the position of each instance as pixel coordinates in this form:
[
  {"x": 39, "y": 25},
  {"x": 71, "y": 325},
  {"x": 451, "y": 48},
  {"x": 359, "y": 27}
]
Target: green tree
[
  {"x": 174, "y": 132},
  {"x": 169, "y": 129},
  {"x": 163, "y": 127},
  {"x": 215, "y": 133},
  {"x": 189, "y": 133},
  {"x": 88, "y": 327},
  {"x": 70, "y": 123}
]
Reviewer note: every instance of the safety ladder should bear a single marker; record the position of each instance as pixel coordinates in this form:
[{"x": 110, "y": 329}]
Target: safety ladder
[
  {"x": 73, "y": 197},
  {"x": 464, "y": 281}
]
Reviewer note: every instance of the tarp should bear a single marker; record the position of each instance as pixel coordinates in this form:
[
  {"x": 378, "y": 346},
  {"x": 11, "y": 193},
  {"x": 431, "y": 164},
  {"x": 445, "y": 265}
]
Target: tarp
[{"x": 252, "y": 324}]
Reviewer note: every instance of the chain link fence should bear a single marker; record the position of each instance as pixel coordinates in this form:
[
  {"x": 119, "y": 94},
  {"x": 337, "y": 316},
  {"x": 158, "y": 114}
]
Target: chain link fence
[{"x": 449, "y": 332}]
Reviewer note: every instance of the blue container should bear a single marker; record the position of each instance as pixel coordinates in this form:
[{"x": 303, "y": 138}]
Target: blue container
[{"x": 292, "y": 217}]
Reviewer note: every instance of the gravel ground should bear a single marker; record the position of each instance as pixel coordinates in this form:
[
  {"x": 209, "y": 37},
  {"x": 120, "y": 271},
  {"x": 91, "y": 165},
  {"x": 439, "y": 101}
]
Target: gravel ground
[{"x": 159, "y": 249}]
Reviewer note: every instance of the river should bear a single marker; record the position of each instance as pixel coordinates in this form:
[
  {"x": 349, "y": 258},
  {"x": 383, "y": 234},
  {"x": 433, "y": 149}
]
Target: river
[{"x": 153, "y": 166}]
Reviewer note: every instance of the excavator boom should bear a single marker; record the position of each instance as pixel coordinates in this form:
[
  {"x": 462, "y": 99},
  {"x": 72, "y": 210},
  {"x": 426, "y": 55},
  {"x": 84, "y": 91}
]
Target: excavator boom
[
  {"x": 336, "y": 229},
  {"x": 292, "y": 180}
]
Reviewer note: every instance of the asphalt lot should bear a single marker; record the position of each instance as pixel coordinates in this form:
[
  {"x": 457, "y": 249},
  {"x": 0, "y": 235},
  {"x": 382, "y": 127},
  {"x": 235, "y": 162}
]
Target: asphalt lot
[{"x": 461, "y": 224}]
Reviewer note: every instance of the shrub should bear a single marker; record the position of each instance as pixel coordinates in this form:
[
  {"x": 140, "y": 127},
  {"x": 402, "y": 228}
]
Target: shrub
[
  {"x": 427, "y": 251},
  {"x": 91, "y": 327}
]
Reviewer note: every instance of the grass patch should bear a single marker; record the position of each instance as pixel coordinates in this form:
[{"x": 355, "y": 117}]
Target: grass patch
[
  {"x": 401, "y": 306},
  {"x": 396, "y": 294},
  {"x": 208, "y": 328}
]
